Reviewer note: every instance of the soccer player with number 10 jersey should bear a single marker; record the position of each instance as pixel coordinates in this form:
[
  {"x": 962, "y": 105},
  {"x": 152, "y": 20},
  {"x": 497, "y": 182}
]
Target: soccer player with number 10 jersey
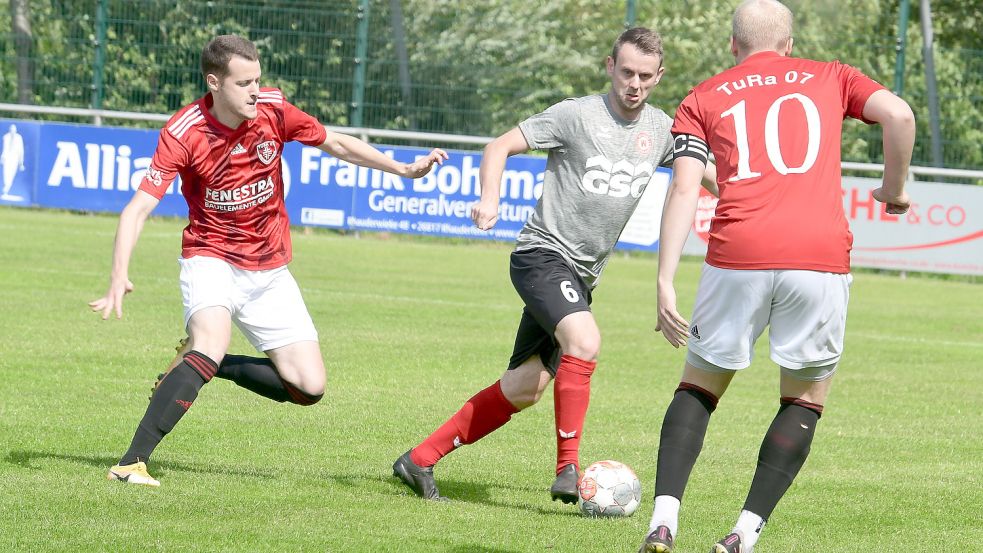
[{"x": 779, "y": 251}]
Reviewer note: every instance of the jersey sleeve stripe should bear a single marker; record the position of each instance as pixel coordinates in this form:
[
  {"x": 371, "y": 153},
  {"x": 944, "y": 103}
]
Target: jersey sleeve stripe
[
  {"x": 179, "y": 132},
  {"x": 195, "y": 110}
]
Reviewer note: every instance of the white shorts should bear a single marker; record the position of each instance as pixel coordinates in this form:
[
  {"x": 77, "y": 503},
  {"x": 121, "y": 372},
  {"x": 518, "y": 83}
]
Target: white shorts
[
  {"x": 806, "y": 311},
  {"x": 265, "y": 305}
]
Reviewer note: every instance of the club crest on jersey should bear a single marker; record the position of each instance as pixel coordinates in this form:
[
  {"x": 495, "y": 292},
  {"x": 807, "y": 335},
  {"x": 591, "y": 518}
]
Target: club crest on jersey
[
  {"x": 266, "y": 151},
  {"x": 643, "y": 143}
]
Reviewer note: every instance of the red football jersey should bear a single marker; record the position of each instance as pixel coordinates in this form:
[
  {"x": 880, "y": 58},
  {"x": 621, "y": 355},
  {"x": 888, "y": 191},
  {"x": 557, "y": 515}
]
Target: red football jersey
[
  {"x": 774, "y": 126},
  {"x": 231, "y": 178}
]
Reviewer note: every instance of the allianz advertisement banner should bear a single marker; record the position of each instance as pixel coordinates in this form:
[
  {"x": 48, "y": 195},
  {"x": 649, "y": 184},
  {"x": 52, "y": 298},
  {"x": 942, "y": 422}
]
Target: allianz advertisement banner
[{"x": 89, "y": 168}]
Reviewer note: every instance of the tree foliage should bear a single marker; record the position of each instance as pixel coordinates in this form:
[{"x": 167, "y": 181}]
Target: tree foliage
[{"x": 476, "y": 67}]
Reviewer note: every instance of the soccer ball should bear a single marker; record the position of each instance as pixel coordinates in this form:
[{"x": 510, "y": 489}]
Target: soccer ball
[{"x": 609, "y": 489}]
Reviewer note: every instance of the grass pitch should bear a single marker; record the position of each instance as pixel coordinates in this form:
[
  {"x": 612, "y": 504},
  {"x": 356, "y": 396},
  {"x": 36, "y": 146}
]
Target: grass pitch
[{"x": 410, "y": 329}]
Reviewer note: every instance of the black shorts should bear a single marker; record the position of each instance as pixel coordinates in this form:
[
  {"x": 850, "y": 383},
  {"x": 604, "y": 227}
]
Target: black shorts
[{"x": 551, "y": 290}]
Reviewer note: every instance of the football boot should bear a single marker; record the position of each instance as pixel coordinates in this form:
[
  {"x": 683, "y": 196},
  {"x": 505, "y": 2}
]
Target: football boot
[
  {"x": 731, "y": 543},
  {"x": 658, "y": 541},
  {"x": 135, "y": 473},
  {"x": 417, "y": 478},
  {"x": 564, "y": 487}
]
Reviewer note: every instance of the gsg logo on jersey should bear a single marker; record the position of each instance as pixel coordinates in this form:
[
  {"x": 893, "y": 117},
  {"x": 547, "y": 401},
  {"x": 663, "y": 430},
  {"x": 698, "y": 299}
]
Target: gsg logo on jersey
[
  {"x": 266, "y": 151},
  {"x": 617, "y": 180}
]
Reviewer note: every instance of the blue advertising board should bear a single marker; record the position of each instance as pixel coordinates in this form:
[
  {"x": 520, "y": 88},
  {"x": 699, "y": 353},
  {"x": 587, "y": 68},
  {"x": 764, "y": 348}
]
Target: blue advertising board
[
  {"x": 18, "y": 159},
  {"x": 90, "y": 168}
]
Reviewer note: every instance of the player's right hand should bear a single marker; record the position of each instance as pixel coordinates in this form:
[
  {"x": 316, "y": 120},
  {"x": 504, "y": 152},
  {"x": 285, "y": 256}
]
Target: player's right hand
[
  {"x": 484, "y": 214},
  {"x": 422, "y": 166},
  {"x": 113, "y": 300},
  {"x": 895, "y": 205},
  {"x": 672, "y": 325}
]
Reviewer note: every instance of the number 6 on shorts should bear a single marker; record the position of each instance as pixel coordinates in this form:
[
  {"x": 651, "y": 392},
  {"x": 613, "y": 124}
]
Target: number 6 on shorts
[{"x": 568, "y": 291}]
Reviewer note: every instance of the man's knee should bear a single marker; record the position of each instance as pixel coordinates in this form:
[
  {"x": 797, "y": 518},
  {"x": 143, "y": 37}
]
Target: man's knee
[
  {"x": 304, "y": 397},
  {"x": 304, "y": 387},
  {"x": 579, "y": 336},
  {"x": 584, "y": 347}
]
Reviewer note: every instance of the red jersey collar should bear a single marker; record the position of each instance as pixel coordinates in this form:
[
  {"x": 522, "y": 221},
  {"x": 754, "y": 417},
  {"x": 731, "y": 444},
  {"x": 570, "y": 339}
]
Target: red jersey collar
[
  {"x": 206, "y": 102},
  {"x": 758, "y": 56}
]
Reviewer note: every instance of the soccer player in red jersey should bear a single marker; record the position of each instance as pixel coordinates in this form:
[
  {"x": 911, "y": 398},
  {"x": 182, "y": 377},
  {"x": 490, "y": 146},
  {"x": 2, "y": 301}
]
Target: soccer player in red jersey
[
  {"x": 779, "y": 251},
  {"x": 226, "y": 147}
]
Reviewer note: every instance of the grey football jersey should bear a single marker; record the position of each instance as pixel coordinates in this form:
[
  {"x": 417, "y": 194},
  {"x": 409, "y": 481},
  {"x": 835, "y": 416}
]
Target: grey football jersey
[{"x": 598, "y": 167}]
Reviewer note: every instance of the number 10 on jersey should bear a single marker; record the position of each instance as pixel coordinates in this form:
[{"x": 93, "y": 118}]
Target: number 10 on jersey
[{"x": 773, "y": 146}]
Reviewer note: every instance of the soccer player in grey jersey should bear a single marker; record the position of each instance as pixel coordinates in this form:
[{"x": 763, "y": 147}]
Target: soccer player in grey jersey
[{"x": 603, "y": 151}]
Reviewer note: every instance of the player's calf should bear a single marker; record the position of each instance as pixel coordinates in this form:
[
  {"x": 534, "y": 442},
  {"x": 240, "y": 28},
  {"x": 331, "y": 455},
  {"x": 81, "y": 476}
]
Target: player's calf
[
  {"x": 169, "y": 403},
  {"x": 183, "y": 347},
  {"x": 260, "y": 375},
  {"x": 784, "y": 450}
]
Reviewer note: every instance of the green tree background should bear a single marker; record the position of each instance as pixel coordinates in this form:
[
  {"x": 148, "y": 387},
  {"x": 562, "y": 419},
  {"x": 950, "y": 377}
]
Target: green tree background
[{"x": 477, "y": 67}]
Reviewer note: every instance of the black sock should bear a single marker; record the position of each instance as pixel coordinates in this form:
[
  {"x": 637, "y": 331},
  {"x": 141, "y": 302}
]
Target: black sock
[
  {"x": 783, "y": 451},
  {"x": 259, "y": 375},
  {"x": 256, "y": 374},
  {"x": 681, "y": 440},
  {"x": 170, "y": 402}
]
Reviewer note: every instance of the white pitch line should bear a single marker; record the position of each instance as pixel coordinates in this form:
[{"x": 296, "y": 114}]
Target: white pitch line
[
  {"x": 910, "y": 339},
  {"x": 306, "y": 290}
]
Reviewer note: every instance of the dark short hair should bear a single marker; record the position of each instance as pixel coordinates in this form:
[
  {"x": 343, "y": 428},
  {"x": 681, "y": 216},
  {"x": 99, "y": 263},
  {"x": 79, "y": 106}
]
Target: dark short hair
[
  {"x": 220, "y": 50},
  {"x": 646, "y": 40}
]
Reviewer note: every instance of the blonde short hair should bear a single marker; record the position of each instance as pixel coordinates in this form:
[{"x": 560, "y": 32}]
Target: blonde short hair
[{"x": 762, "y": 25}]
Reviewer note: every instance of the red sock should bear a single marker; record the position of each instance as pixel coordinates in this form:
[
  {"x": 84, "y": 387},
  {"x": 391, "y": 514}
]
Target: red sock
[
  {"x": 478, "y": 417},
  {"x": 571, "y": 394}
]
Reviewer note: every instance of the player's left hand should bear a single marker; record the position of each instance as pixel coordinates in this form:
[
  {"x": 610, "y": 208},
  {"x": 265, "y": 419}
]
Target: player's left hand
[
  {"x": 112, "y": 302},
  {"x": 672, "y": 325},
  {"x": 423, "y": 165}
]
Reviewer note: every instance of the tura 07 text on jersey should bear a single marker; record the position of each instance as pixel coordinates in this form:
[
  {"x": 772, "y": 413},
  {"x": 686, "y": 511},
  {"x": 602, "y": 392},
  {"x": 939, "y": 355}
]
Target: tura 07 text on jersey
[{"x": 758, "y": 80}]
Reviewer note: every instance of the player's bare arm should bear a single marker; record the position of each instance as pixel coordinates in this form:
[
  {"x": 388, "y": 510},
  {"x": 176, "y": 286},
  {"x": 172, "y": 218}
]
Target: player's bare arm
[
  {"x": 485, "y": 212},
  {"x": 127, "y": 232},
  {"x": 710, "y": 179},
  {"x": 898, "y": 123},
  {"x": 677, "y": 219},
  {"x": 359, "y": 152}
]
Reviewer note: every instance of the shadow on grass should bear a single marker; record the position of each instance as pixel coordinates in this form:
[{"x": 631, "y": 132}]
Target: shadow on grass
[
  {"x": 26, "y": 459},
  {"x": 459, "y": 492}
]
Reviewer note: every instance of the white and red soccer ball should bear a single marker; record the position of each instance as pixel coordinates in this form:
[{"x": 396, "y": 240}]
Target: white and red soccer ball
[{"x": 609, "y": 489}]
